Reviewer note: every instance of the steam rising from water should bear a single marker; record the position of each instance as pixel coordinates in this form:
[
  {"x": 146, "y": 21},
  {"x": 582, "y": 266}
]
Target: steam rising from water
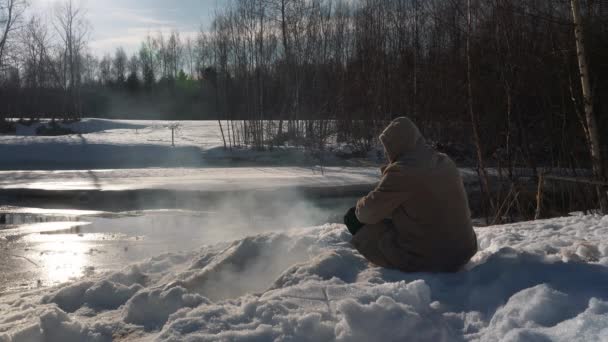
[
  {"x": 107, "y": 241},
  {"x": 254, "y": 260}
]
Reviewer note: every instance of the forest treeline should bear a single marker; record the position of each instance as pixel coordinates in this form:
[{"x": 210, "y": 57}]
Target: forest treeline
[{"x": 510, "y": 63}]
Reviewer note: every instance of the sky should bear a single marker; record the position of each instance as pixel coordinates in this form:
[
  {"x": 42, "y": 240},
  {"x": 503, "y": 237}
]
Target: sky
[{"x": 126, "y": 23}]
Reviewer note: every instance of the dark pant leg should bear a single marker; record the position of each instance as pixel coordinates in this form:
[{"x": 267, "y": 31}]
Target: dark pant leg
[{"x": 367, "y": 242}]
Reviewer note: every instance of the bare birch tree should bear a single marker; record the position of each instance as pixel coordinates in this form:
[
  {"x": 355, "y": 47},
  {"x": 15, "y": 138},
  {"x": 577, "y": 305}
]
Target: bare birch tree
[
  {"x": 11, "y": 13},
  {"x": 593, "y": 137},
  {"x": 481, "y": 168},
  {"x": 73, "y": 29}
]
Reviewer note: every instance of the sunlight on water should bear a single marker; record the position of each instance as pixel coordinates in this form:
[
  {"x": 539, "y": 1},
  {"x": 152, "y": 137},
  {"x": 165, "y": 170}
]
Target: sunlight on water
[
  {"x": 44, "y": 227},
  {"x": 48, "y": 212},
  {"x": 62, "y": 257}
]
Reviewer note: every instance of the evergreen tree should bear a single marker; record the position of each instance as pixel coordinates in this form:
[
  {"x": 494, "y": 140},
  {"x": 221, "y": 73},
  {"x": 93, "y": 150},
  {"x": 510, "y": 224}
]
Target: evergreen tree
[
  {"x": 119, "y": 66},
  {"x": 133, "y": 82}
]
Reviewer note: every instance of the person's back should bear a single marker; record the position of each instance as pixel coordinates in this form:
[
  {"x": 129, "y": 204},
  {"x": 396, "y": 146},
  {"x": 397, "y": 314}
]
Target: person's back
[{"x": 422, "y": 194}]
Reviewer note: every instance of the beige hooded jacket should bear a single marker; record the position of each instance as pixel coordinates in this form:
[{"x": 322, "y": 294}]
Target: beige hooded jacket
[{"x": 422, "y": 192}]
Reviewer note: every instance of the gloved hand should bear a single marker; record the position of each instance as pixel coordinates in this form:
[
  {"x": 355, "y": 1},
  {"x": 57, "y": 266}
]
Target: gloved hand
[{"x": 352, "y": 222}]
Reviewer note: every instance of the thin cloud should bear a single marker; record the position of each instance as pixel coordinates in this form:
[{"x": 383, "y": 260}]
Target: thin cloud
[
  {"x": 133, "y": 37},
  {"x": 138, "y": 16},
  {"x": 126, "y": 23}
]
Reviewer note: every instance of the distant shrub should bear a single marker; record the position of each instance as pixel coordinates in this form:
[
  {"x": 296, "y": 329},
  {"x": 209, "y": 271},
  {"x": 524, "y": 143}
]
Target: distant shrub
[
  {"x": 7, "y": 127},
  {"x": 53, "y": 129},
  {"x": 28, "y": 122},
  {"x": 352, "y": 151}
]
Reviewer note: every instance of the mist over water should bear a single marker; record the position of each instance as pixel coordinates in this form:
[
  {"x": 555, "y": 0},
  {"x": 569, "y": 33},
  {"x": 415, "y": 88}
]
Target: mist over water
[
  {"x": 106, "y": 241},
  {"x": 226, "y": 219},
  {"x": 254, "y": 260}
]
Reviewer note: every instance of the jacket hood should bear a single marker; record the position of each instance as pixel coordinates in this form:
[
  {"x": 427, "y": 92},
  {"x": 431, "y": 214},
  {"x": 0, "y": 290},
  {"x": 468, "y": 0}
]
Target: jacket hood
[{"x": 401, "y": 138}]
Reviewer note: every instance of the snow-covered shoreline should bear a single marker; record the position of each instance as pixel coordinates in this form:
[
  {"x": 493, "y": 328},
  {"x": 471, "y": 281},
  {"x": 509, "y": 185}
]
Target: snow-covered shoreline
[
  {"x": 101, "y": 143},
  {"x": 531, "y": 281}
]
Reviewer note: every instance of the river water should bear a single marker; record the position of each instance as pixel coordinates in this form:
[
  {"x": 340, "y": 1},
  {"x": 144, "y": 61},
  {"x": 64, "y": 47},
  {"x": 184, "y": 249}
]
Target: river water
[{"x": 46, "y": 247}]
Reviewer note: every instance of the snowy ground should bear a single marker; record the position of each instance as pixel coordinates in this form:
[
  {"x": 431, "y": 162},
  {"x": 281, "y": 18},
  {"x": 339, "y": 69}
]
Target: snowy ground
[
  {"x": 536, "y": 281},
  {"x": 127, "y": 143}
]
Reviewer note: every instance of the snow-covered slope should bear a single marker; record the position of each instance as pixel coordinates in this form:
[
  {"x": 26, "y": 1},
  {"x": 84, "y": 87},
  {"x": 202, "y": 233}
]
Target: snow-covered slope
[
  {"x": 99, "y": 143},
  {"x": 109, "y": 143},
  {"x": 535, "y": 281}
]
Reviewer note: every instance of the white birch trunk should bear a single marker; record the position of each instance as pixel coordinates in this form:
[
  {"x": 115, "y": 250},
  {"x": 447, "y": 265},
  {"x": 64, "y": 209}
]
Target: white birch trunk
[{"x": 592, "y": 130}]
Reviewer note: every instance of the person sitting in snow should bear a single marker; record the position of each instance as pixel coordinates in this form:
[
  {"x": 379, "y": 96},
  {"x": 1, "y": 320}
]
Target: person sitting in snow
[{"x": 418, "y": 218}]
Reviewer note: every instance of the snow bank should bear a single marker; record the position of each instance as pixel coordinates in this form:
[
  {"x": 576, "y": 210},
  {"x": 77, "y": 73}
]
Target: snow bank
[
  {"x": 99, "y": 143},
  {"x": 535, "y": 281},
  {"x": 110, "y": 143}
]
